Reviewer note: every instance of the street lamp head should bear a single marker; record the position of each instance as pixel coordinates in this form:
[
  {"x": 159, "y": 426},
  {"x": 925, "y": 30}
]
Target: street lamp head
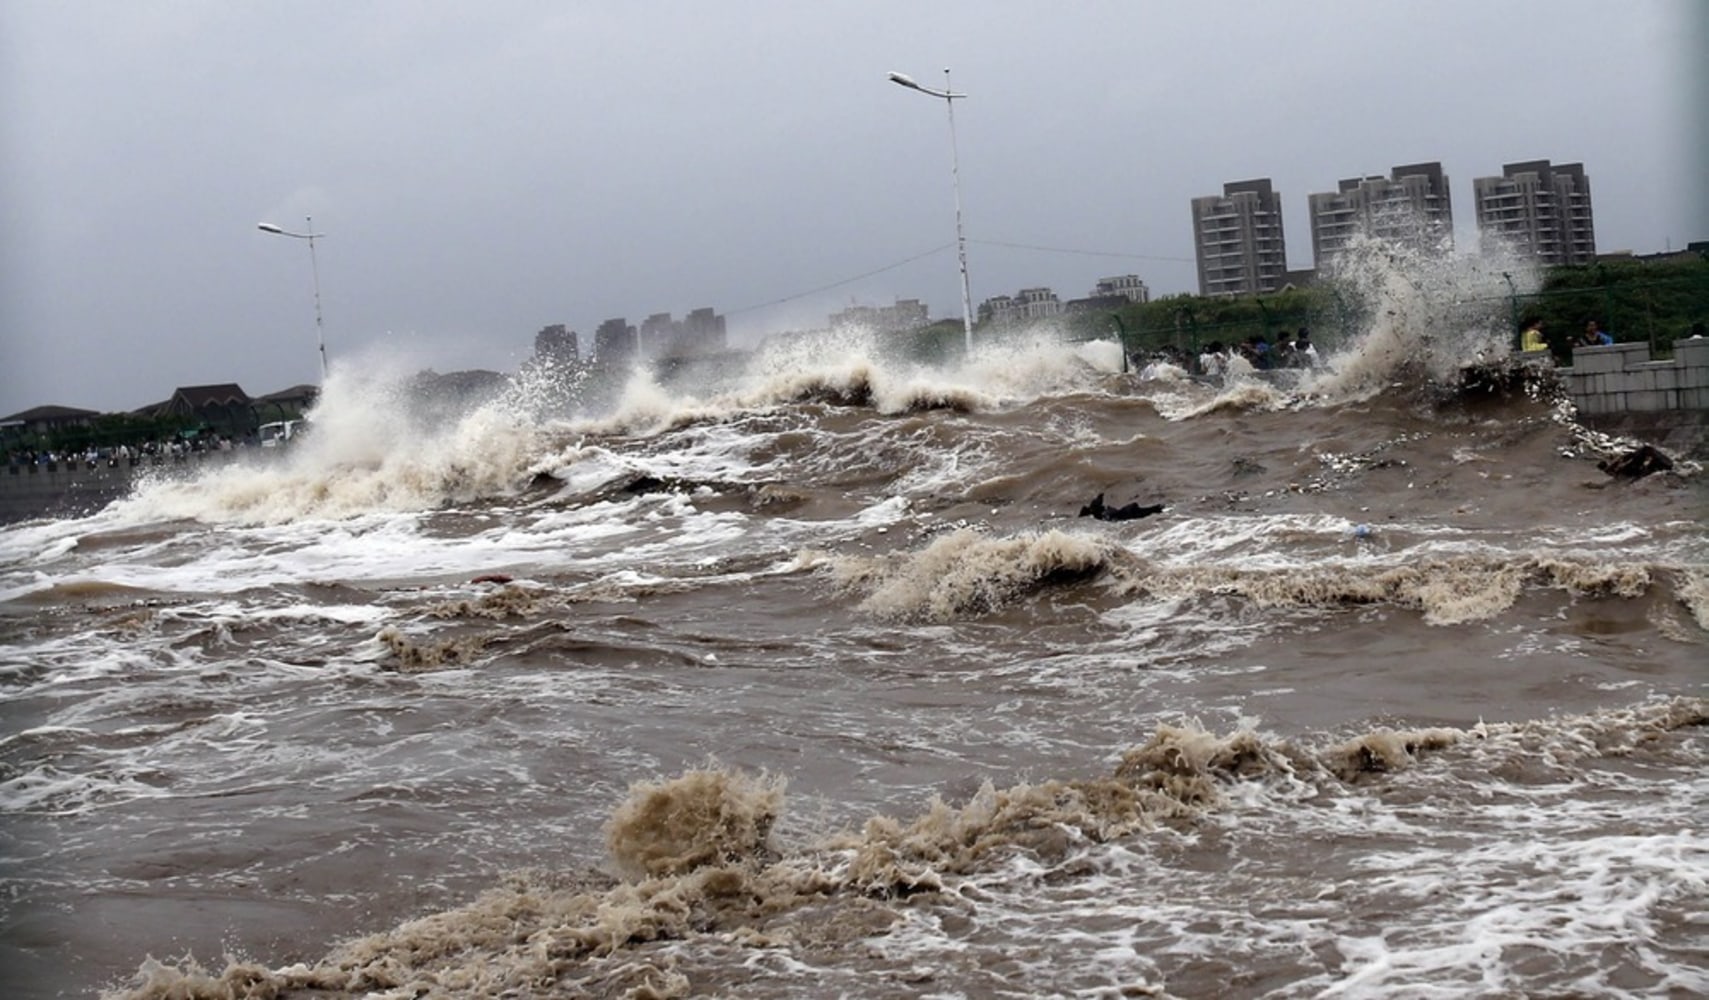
[
  {"x": 904, "y": 80},
  {"x": 268, "y": 227}
]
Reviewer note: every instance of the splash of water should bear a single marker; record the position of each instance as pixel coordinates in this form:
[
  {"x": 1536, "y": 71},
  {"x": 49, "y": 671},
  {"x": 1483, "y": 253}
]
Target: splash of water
[
  {"x": 372, "y": 446},
  {"x": 1425, "y": 312}
]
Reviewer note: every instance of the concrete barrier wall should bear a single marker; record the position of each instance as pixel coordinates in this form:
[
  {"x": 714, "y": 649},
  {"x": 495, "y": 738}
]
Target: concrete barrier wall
[
  {"x": 1621, "y": 378},
  {"x": 68, "y": 489}
]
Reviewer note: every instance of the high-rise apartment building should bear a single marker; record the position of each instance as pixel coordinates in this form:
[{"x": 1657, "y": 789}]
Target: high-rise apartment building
[
  {"x": 700, "y": 332},
  {"x": 556, "y": 343},
  {"x": 1411, "y": 206},
  {"x": 614, "y": 340},
  {"x": 1238, "y": 239},
  {"x": 1539, "y": 209}
]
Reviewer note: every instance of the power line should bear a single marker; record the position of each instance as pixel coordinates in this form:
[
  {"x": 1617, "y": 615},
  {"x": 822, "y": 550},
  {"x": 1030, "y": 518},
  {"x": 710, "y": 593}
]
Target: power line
[
  {"x": 839, "y": 284},
  {"x": 1082, "y": 253},
  {"x": 940, "y": 249}
]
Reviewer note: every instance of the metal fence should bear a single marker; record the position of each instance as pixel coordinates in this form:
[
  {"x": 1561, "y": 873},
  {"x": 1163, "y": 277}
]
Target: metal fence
[{"x": 1655, "y": 311}]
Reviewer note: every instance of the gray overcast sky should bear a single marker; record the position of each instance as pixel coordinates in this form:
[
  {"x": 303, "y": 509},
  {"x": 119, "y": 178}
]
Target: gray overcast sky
[{"x": 482, "y": 170}]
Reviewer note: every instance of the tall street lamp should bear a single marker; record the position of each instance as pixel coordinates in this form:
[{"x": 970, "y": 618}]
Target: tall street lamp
[
  {"x": 311, "y": 236},
  {"x": 949, "y": 98}
]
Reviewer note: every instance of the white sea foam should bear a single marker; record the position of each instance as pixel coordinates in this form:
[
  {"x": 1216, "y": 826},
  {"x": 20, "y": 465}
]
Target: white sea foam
[
  {"x": 885, "y": 512},
  {"x": 1418, "y": 314},
  {"x": 47, "y": 789},
  {"x": 1470, "y": 884},
  {"x": 1425, "y": 311},
  {"x": 369, "y": 450},
  {"x": 372, "y": 448}
]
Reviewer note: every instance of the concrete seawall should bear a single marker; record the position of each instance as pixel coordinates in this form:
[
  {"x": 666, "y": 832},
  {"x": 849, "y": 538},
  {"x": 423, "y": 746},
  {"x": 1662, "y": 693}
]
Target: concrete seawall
[
  {"x": 1620, "y": 389},
  {"x": 1621, "y": 378},
  {"x": 72, "y": 489}
]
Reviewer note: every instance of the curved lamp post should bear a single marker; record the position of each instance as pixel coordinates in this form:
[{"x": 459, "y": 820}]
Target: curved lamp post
[
  {"x": 949, "y": 99},
  {"x": 311, "y": 236}
]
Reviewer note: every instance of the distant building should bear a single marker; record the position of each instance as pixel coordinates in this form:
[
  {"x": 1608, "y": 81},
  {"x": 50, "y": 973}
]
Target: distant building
[
  {"x": 704, "y": 332},
  {"x": 1025, "y": 305},
  {"x": 1038, "y": 303},
  {"x": 224, "y": 407},
  {"x": 1238, "y": 239},
  {"x": 1110, "y": 294},
  {"x": 1411, "y": 206},
  {"x": 614, "y": 341},
  {"x": 1540, "y": 210},
  {"x": 1000, "y": 310},
  {"x": 905, "y": 315},
  {"x": 658, "y": 335},
  {"x": 48, "y": 420},
  {"x": 286, "y": 403},
  {"x": 700, "y": 332},
  {"x": 556, "y": 343},
  {"x": 1127, "y": 286}
]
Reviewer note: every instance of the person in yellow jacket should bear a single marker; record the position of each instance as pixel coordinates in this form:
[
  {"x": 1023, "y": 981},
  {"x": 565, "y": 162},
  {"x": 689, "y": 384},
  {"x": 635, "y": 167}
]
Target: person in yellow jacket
[{"x": 1531, "y": 339}]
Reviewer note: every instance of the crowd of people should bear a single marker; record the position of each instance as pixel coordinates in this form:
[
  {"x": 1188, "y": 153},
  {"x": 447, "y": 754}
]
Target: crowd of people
[
  {"x": 124, "y": 455},
  {"x": 1290, "y": 350},
  {"x": 1216, "y": 359}
]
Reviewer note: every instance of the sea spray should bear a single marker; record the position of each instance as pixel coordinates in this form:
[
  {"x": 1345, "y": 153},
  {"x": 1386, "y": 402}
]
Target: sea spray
[
  {"x": 855, "y": 367},
  {"x": 1423, "y": 309},
  {"x": 371, "y": 447}
]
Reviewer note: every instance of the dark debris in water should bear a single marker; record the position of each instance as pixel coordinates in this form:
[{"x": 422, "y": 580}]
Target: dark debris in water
[
  {"x": 653, "y": 484},
  {"x": 1637, "y": 463},
  {"x": 1507, "y": 378},
  {"x": 1098, "y": 510}
]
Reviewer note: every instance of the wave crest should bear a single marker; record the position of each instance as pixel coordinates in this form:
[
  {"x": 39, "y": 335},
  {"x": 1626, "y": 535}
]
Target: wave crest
[
  {"x": 1447, "y": 591},
  {"x": 965, "y": 572},
  {"x": 708, "y": 871}
]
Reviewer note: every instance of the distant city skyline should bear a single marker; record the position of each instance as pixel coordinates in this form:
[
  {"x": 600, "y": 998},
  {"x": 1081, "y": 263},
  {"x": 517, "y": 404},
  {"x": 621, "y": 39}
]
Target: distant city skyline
[{"x": 1414, "y": 201}]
